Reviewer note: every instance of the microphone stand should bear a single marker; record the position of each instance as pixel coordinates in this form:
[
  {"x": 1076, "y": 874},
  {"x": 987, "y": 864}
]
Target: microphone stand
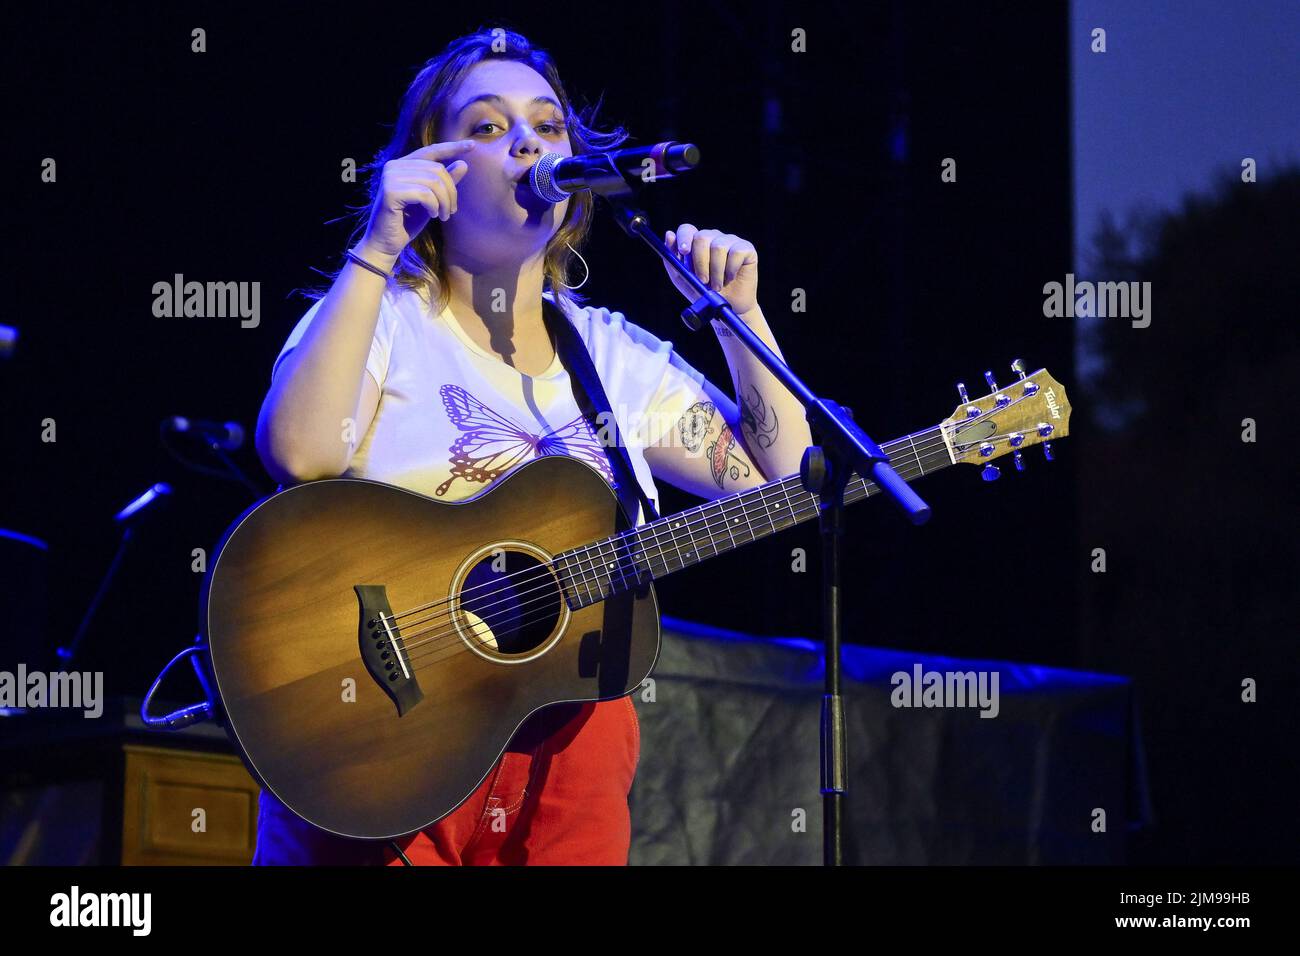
[
  {"x": 825, "y": 471},
  {"x": 129, "y": 518}
]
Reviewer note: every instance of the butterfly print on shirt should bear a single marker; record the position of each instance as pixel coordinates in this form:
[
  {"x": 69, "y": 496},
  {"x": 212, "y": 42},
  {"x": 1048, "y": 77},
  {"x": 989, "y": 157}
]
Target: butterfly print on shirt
[{"x": 491, "y": 444}]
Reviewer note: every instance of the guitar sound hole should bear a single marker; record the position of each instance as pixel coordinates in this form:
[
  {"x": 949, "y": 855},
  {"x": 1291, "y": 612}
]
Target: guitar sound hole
[{"x": 509, "y": 602}]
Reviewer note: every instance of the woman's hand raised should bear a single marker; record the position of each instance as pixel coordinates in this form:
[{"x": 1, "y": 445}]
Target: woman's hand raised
[
  {"x": 413, "y": 190},
  {"x": 725, "y": 263}
]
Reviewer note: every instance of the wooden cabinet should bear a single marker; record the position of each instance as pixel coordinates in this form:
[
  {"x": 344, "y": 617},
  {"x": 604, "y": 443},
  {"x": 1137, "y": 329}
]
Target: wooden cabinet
[
  {"x": 112, "y": 791},
  {"x": 186, "y": 807}
]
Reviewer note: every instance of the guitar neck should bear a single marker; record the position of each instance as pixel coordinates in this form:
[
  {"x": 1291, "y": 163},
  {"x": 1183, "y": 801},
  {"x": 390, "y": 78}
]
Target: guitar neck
[{"x": 623, "y": 562}]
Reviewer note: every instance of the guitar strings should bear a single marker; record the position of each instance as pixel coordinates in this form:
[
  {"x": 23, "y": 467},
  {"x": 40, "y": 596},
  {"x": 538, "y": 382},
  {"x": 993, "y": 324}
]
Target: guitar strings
[
  {"x": 707, "y": 519},
  {"x": 808, "y": 507},
  {"x": 426, "y": 657},
  {"x": 658, "y": 534},
  {"x": 541, "y": 573},
  {"x": 937, "y": 438},
  {"x": 710, "y": 520},
  {"x": 429, "y": 656}
]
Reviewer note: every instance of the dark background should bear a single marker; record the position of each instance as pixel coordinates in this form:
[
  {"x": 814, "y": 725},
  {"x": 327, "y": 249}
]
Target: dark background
[{"x": 226, "y": 166}]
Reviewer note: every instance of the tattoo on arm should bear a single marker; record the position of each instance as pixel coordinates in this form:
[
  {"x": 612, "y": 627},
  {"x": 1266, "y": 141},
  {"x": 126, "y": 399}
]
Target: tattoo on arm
[
  {"x": 723, "y": 459},
  {"x": 757, "y": 421},
  {"x": 694, "y": 425}
]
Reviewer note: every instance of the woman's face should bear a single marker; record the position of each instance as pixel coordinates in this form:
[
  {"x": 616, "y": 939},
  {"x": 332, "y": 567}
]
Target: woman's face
[{"x": 514, "y": 117}]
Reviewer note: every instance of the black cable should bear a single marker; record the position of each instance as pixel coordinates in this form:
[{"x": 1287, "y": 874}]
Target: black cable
[{"x": 398, "y": 850}]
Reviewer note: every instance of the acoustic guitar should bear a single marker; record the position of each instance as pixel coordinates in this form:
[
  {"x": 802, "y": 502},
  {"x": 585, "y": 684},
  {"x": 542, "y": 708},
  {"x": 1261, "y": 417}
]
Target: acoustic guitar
[{"x": 374, "y": 650}]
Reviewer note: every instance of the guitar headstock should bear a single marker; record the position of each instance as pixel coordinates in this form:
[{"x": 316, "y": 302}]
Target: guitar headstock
[{"x": 1031, "y": 411}]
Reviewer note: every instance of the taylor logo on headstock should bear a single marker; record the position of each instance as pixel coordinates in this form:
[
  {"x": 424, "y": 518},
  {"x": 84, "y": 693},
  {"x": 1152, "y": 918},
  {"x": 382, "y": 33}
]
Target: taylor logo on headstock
[{"x": 1051, "y": 403}]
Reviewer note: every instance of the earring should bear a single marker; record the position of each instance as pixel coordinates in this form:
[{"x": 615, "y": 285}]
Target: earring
[{"x": 584, "y": 266}]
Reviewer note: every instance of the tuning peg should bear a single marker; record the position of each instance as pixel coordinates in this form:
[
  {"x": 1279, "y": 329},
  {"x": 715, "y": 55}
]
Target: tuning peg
[
  {"x": 1018, "y": 366},
  {"x": 1002, "y": 401},
  {"x": 1020, "y": 460},
  {"x": 971, "y": 411},
  {"x": 990, "y": 473},
  {"x": 1047, "y": 451}
]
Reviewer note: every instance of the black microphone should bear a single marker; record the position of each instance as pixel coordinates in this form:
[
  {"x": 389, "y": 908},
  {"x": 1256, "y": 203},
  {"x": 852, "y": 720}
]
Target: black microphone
[
  {"x": 554, "y": 177},
  {"x": 225, "y": 435}
]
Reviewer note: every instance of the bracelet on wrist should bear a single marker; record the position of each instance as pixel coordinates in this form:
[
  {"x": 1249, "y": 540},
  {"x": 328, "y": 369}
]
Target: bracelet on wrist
[{"x": 352, "y": 256}]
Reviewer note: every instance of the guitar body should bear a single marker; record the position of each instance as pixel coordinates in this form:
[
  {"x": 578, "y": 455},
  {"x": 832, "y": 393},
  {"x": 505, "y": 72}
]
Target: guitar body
[{"x": 375, "y": 649}]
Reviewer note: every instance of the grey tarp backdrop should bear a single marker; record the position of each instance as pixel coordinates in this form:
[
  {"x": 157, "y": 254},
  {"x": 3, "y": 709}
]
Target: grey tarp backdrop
[{"x": 729, "y": 760}]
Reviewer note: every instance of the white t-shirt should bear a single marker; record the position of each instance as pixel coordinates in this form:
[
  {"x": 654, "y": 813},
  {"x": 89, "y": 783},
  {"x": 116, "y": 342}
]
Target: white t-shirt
[{"x": 453, "y": 418}]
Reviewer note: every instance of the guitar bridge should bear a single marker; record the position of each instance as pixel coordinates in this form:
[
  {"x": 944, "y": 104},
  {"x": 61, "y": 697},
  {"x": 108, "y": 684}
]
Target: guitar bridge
[{"x": 383, "y": 650}]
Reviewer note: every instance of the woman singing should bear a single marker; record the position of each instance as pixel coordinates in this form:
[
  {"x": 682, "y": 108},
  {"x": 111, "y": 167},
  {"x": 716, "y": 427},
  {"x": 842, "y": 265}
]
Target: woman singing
[{"x": 429, "y": 365}]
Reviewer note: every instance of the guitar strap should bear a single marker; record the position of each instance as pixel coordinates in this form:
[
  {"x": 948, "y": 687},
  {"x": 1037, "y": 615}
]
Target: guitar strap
[{"x": 591, "y": 399}]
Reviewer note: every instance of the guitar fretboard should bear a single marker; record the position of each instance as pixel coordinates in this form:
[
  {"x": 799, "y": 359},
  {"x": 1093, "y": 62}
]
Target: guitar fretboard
[{"x": 625, "y": 561}]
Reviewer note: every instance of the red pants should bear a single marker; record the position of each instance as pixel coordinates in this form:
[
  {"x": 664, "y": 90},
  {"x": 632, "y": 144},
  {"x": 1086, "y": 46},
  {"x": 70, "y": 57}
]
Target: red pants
[{"x": 557, "y": 797}]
